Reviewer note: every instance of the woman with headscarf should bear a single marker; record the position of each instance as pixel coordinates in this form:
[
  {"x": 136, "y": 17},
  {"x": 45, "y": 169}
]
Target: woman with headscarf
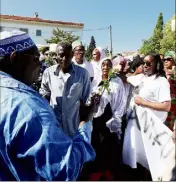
[
  {"x": 98, "y": 55},
  {"x": 122, "y": 65},
  {"x": 170, "y": 70},
  {"x": 106, "y": 127}
]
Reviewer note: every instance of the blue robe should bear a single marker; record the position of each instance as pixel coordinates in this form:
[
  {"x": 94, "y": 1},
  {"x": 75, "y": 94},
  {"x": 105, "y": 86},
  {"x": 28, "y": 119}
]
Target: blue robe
[{"x": 32, "y": 145}]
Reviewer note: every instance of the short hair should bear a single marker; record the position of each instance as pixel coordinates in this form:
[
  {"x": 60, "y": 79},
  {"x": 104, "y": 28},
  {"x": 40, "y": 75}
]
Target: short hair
[
  {"x": 137, "y": 61},
  {"x": 65, "y": 45}
]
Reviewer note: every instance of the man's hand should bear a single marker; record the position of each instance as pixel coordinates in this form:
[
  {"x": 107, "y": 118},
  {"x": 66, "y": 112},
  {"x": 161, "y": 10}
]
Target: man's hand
[
  {"x": 85, "y": 112},
  {"x": 81, "y": 123}
]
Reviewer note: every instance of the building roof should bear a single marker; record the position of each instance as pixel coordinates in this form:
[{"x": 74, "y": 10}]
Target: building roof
[{"x": 37, "y": 19}]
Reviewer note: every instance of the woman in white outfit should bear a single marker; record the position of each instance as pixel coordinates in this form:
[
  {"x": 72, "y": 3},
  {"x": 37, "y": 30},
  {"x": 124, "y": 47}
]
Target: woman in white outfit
[
  {"x": 106, "y": 128},
  {"x": 98, "y": 55},
  {"x": 152, "y": 90}
]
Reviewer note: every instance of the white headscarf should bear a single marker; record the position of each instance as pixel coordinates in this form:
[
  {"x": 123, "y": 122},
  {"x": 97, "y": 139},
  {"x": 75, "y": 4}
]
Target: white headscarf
[
  {"x": 102, "y": 52},
  {"x": 97, "y": 72}
]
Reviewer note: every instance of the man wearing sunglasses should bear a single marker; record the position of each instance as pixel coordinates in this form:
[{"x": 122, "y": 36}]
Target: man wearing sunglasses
[{"x": 32, "y": 145}]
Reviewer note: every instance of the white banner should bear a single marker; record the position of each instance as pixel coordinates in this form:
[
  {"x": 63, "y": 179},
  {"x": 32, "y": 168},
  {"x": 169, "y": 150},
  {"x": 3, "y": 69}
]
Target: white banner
[{"x": 158, "y": 144}]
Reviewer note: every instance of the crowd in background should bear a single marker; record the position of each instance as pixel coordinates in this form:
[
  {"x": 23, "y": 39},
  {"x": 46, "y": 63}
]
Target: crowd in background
[
  {"x": 87, "y": 132},
  {"x": 144, "y": 80}
]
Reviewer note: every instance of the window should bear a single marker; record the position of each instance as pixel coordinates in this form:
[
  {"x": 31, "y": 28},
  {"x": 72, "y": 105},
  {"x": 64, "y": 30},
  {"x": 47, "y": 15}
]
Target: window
[
  {"x": 24, "y": 30},
  {"x": 38, "y": 33}
]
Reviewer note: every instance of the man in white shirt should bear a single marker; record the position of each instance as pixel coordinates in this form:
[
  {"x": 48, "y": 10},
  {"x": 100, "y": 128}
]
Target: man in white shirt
[{"x": 79, "y": 59}]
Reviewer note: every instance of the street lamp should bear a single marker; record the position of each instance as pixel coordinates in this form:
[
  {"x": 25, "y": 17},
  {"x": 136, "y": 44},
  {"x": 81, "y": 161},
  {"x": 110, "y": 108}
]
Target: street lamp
[{"x": 173, "y": 25}]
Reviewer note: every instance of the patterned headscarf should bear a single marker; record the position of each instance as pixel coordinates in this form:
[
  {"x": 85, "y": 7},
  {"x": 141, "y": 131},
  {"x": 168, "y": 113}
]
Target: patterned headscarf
[{"x": 120, "y": 63}]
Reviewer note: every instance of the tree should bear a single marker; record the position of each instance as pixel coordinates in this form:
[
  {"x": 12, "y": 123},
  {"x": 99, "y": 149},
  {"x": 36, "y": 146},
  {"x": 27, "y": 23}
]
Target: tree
[
  {"x": 90, "y": 48},
  {"x": 168, "y": 42},
  {"x": 158, "y": 34},
  {"x": 61, "y": 35},
  {"x": 147, "y": 47},
  {"x": 107, "y": 52},
  {"x": 153, "y": 44},
  {"x": 92, "y": 44}
]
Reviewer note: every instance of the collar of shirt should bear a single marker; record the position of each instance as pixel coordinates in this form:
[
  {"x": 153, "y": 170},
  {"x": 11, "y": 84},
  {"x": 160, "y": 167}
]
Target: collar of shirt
[
  {"x": 10, "y": 82},
  {"x": 57, "y": 70},
  {"x": 83, "y": 64}
]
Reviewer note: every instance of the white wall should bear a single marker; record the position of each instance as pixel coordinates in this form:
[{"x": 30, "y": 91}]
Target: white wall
[{"x": 46, "y": 29}]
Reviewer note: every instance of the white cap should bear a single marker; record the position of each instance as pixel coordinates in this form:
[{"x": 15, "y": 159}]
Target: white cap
[
  {"x": 76, "y": 44},
  {"x": 52, "y": 47}
]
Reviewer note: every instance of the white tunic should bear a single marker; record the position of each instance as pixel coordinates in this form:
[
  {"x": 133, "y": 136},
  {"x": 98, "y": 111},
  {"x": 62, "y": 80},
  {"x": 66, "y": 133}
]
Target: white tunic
[
  {"x": 151, "y": 89},
  {"x": 117, "y": 102}
]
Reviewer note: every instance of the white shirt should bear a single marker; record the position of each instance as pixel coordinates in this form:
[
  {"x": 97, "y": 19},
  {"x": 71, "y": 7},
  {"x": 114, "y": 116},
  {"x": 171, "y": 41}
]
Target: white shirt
[
  {"x": 65, "y": 91},
  {"x": 153, "y": 89},
  {"x": 116, "y": 98},
  {"x": 86, "y": 65}
]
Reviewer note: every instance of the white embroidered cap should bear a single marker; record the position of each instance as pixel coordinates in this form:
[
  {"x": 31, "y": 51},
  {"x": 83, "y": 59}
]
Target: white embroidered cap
[{"x": 14, "y": 40}]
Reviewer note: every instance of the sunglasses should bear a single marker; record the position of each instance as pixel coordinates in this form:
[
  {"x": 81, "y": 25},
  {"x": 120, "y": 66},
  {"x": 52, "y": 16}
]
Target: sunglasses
[
  {"x": 168, "y": 59},
  {"x": 148, "y": 64}
]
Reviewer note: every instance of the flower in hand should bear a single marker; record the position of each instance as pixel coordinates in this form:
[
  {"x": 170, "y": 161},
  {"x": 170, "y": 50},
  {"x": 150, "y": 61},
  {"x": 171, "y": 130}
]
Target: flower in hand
[{"x": 138, "y": 100}]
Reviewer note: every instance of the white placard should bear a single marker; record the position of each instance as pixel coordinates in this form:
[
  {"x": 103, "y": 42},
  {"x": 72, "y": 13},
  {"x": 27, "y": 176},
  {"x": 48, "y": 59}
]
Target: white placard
[{"x": 158, "y": 144}]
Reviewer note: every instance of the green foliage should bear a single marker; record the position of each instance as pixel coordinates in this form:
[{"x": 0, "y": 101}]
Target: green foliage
[
  {"x": 61, "y": 35},
  {"x": 147, "y": 46},
  {"x": 153, "y": 43},
  {"x": 158, "y": 34},
  {"x": 163, "y": 38},
  {"x": 168, "y": 42},
  {"x": 90, "y": 48}
]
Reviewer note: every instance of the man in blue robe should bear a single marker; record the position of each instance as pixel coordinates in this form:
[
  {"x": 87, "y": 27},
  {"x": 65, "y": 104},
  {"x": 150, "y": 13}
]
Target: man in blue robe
[{"x": 32, "y": 145}]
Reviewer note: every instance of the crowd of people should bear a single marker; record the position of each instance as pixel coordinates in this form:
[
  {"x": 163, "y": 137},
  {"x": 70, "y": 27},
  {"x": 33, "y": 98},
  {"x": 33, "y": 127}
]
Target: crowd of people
[{"x": 67, "y": 118}]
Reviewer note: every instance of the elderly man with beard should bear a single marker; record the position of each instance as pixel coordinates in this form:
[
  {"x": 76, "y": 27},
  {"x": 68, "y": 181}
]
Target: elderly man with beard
[{"x": 32, "y": 145}]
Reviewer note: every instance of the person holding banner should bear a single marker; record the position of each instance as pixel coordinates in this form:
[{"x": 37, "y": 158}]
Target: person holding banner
[{"x": 152, "y": 91}]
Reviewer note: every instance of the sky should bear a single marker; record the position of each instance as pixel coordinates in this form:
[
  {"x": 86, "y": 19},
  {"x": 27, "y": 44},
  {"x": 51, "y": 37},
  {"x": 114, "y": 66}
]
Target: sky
[{"x": 132, "y": 20}]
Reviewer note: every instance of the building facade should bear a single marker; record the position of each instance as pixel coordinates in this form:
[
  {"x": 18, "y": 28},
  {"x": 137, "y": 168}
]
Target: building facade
[{"x": 38, "y": 29}]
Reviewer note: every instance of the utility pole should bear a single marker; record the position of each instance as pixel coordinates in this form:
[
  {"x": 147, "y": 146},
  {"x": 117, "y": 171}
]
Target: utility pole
[{"x": 110, "y": 33}]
